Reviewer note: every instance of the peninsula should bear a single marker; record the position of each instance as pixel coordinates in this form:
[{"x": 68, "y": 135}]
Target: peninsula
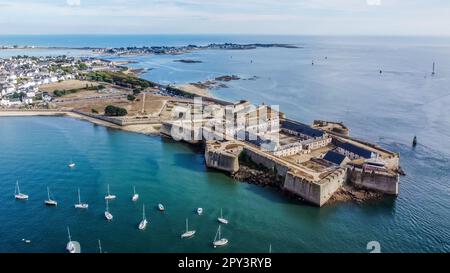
[{"x": 318, "y": 163}]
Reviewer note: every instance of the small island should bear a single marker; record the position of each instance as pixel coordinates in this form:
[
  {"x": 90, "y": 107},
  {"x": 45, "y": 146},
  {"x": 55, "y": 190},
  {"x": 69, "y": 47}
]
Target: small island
[{"x": 188, "y": 61}]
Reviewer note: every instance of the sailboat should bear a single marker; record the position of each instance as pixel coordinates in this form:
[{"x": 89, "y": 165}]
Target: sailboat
[
  {"x": 80, "y": 205},
  {"x": 218, "y": 241},
  {"x": 188, "y": 233},
  {"x": 108, "y": 215},
  {"x": 71, "y": 164},
  {"x": 143, "y": 223},
  {"x": 18, "y": 194},
  {"x": 72, "y": 246},
  {"x": 221, "y": 219},
  {"x": 50, "y": 201},
  {"x": 110, "y": 196},
  {"x": 135, "y": 195}
]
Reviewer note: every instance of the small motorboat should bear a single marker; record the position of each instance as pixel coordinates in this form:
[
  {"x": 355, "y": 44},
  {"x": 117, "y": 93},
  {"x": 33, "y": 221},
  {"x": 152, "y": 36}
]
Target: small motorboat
[
  {"x": 200, "y": 211},
  {"x": 161, "y": 207}
]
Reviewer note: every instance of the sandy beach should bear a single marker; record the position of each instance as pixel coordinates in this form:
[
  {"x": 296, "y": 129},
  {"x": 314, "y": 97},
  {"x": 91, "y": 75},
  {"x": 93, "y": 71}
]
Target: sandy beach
[{"x": 190, "y": 88}]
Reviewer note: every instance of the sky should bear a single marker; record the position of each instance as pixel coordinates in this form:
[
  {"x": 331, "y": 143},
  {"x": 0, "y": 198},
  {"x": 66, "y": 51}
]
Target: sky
[{"x": 298, "y": 17}]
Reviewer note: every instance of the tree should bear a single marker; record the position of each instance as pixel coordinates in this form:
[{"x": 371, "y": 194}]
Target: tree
[
  {"x": 131, "y": 97},
  {"x": 112, "y": 110}
]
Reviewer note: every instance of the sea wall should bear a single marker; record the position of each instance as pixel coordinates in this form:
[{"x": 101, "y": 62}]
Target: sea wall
[
  {"x": 317, "y": 193},
  {"x": 221, "y": 160},
  {"x": 270, "y": 164},
  {"x": 382, "y": 182},
  {"x": 302, "y": 187}
]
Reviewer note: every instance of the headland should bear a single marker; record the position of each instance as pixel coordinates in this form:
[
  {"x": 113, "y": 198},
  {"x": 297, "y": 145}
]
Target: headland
[{"x": 318, "y": 163}]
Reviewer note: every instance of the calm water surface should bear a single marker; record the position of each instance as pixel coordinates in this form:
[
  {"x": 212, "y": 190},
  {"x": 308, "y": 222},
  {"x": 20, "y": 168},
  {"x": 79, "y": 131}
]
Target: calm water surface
[{"x": 388, "y": 109}]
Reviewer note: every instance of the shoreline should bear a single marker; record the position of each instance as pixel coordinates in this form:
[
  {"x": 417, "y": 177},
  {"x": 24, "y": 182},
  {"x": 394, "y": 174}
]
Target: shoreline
[{"x": 140, "y": 129}]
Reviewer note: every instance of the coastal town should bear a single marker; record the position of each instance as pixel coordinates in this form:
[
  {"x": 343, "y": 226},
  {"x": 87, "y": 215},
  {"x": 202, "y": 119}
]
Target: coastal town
[{"x": 317, "y": 163}]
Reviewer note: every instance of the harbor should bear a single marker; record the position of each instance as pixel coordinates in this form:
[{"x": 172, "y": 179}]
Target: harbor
[{"x": 162, "y": 169}]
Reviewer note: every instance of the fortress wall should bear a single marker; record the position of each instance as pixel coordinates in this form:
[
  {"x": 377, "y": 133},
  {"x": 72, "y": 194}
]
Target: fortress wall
[
  {"x": 384, "y": 183},
  {"x": 309, "y": 191},
  {"x": 330, "y": 184},
  {"x": 221, "y": 160},
  {"x": 267, "y": 162}
]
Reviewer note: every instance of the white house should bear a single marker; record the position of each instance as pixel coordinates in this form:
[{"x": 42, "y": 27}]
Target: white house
[{"x": 5, "y": 102}]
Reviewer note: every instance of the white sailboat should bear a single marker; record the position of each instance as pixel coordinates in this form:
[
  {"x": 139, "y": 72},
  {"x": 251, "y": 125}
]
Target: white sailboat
[
  {"x": 17, "y": 194},
  {"x": 71, "y": 164},
  {"x": 188, "y": 233},
  {"x": 50, "y": 201},
  {"x": 135, "y": 195},
  {"x": 110, "y": 196},
  {"x": 80, "y": 205},
  {"x": 200, "y": 211},
  {"x": 218, "y": 241},
  {"x": 72, "y": 246},
  {"x": 143, "y": 223},
  {"x": 108, "y": 215},
  {"x": 161, "y": 207},
  {"x": 221, "y": 219}
]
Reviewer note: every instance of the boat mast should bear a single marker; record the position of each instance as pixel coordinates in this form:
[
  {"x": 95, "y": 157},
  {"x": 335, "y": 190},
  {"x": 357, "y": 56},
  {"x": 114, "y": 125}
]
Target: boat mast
[
  {"x": 221, "y": 216},
  {"x": 108, "y": 189},
  {"x": 17, "y": 187},
  {"x": 107, "y": 207},
  {"x": 48, "y": 193},
  {"x": 433, "y": 73},
  {"x": 134, "y": 190},
  {"x": 187, "y": 227},
  {"x": 79, "y": 198},
  {"x": 143, "y": 212},
  {"x": 68, "y": 232},
  {"x": 99, "y": 246}
]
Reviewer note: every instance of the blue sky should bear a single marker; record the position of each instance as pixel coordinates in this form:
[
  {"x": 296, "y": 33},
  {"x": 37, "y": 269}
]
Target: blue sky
[{"x": 311, "y": 17}]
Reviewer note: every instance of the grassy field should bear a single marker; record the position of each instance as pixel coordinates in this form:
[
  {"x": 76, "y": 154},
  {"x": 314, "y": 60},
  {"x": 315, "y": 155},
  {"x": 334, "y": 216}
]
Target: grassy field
[{"x": 66, "y": 85}]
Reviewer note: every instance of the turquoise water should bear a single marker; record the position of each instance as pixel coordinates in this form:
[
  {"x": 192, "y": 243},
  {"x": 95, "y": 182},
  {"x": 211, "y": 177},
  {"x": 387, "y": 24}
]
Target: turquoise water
[
  {"x": 387, "y": 109},
  {"x": 36, "y": 151}
]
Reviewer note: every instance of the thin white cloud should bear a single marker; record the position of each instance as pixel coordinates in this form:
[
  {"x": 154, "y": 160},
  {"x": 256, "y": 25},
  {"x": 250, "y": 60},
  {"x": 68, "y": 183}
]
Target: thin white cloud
[
  {"x": 73, "y": 3},
  {"x": 219, "y": 16}
]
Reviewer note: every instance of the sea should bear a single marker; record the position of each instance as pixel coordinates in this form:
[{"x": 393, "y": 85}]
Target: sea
[{"x": 344, "y": 84}]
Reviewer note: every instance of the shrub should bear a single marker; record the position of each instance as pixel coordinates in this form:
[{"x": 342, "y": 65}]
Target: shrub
[{"x": 112, "y": 110}]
